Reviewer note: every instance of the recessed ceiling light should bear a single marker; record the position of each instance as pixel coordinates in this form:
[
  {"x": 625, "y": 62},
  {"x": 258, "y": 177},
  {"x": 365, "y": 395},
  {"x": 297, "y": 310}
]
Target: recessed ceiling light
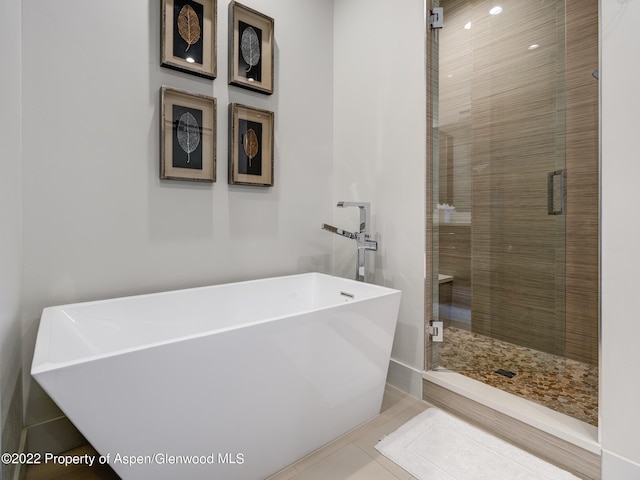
[
  {"x": 467, "y": 26},
  {"x": 534, "y": 46},
  {"x": 495, "y": 10}
]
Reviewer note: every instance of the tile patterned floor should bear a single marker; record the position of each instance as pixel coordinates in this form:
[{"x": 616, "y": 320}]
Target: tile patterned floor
[
  {"x": 567, "y": 386},
  {"x": 50, "y": 471},
  {"x": 350, "y": 457},
  {"x": 353, "y": 456}
]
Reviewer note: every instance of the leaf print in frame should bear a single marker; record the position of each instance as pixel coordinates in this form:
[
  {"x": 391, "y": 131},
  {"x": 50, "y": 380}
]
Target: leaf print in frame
[
  {"x": 249, "y": 154},
  {"x": 249, "y": 64},
  {"x": 187, "y": 133},
  {"x": 187, "y": 136},
  {"x": 251, "y": 146},
  {"x": 188, "y": 36},
  {"x": 189, "y": 25},
  {"x": 251, "y": 49},
  {"x": 187, "y": 31}
]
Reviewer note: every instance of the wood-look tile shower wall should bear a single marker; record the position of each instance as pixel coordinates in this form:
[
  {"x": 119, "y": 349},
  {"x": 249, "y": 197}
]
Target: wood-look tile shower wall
[{"x": 511, "y": 114}]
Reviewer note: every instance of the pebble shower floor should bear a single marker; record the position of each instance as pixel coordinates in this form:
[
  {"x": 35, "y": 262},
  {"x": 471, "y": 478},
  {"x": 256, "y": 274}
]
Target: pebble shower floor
[{"x": 566, "y": 386}]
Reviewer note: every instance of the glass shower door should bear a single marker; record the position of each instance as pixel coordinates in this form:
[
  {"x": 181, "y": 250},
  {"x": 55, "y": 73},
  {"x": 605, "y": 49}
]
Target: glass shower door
[{"x": 499, "y": 186}]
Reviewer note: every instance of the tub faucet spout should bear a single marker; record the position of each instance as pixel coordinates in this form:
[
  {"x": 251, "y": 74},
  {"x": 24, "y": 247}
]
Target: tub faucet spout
[
  {"x": 364, "y": 213},
  {"x": 338, "y": 231},
  {"x": 362, "y": 237}
]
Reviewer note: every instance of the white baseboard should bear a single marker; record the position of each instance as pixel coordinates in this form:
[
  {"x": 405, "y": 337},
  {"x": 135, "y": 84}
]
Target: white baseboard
[
  {"x": 21, "y": 472},
  {"x": 11, "y": 424},
  {"x": 615, "y": 467},
  {"x": 53, "y": 436},
  {"x": 405, "y": 377}
]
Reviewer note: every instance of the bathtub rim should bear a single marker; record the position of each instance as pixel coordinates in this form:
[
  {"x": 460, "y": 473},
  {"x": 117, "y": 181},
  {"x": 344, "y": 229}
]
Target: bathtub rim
[{"x": 41, "y": 364}]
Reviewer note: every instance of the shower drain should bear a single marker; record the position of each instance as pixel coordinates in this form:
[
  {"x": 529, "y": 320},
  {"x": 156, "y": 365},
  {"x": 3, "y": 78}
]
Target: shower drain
[{"x": 506, "y": 373}]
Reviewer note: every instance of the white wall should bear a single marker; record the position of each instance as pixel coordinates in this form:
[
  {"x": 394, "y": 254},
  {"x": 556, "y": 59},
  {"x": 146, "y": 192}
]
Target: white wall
[
  {"x": 620, "y": 356},
  {"x": 10, "y": 229},
  {"x": 98, "y": 222},
  {"x": 379, "y": 154}
]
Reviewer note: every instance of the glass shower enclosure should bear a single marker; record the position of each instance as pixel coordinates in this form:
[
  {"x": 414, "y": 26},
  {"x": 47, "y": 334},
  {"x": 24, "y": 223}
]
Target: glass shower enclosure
[
  {"x": 499, "y": 183},
  {"x": 513, "y": 197}
]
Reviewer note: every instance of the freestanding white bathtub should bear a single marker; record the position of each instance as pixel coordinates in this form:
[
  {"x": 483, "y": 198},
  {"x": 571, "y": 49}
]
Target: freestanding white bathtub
[{"x": 232, "y": 381}]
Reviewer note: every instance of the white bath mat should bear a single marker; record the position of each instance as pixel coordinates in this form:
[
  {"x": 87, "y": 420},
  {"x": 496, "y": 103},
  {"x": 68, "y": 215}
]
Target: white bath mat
[{"x": 437, "y": 446}]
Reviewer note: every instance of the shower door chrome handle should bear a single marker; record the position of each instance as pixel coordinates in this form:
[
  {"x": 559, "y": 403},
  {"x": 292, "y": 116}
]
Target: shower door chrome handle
[{"x": 551, "y": 192}]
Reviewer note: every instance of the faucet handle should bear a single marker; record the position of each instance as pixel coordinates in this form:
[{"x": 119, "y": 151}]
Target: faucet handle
[{"x": 364, "y": 241}]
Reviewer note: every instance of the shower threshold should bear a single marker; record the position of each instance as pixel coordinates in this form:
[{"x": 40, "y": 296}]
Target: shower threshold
[
  {"x": 569, "y": 429},
  {"x": 549, "y": 406},
  {"x": 562, "y": 440}
]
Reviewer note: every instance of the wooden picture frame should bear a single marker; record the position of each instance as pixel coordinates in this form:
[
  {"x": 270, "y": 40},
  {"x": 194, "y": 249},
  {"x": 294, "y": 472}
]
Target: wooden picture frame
[
  {"x": 251, "y": 147},
  {"x": 187, "y": 136},
  {"x": 189, "y": 34},
  {"x": 251, "y": 49}
]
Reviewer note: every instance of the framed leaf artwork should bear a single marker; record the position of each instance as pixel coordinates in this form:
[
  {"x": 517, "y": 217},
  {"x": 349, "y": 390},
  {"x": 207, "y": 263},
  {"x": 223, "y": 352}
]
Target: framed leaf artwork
[
  {"x": 188, "y": 40},
  {"x": 250, "y": 146},
  {"x": 187, "y": 136},
  {"x": 251, "y": 49}
]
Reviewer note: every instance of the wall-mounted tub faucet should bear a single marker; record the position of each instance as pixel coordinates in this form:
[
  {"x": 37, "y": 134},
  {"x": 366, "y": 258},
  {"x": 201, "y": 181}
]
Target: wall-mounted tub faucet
[{"x": 362, "y": 237}]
